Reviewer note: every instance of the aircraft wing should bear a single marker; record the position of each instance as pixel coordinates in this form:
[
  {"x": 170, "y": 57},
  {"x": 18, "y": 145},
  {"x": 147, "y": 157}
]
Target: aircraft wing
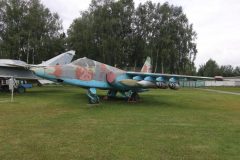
[
  {"x": 12, "y": 63},
  {"x": 17, "y": 65},
  {"x": 152, "y": 80},
  {"x": 168, "y": 76},
  {"x": 19, "y": 78}
]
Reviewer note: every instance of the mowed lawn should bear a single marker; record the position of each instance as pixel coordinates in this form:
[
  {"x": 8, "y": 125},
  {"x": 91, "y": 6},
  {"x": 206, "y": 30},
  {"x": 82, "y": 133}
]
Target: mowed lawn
[{"x": 57, "y": 123}]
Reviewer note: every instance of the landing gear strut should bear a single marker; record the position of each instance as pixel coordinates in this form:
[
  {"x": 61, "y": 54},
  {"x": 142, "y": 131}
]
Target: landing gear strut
[
  {"x": 133, "y": 96},
  {"x": 92, "y": 96},
  {"x": 111, "y": 94}
]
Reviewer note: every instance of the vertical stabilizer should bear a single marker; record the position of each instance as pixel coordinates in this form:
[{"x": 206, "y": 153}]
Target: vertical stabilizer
[
  {"x": 61, "y": 59},
  {"x": 147, "y": 67}
]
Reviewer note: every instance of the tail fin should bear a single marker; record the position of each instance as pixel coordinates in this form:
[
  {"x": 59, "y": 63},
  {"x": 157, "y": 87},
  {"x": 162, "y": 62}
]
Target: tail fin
[
  {"x": 61, "y": 59},
  {"x": 147, "y": 67}
]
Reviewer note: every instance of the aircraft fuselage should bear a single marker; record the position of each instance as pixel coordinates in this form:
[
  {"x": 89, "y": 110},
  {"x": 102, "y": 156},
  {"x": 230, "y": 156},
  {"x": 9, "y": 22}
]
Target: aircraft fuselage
[{"x": 85, "y": 73}]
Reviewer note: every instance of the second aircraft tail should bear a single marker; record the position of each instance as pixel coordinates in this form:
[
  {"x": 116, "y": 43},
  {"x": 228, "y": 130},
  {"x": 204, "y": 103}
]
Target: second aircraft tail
[{"x": 61, "y": 59}]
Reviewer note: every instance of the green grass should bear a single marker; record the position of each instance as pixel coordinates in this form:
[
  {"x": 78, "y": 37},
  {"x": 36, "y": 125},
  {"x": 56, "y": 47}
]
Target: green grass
[
  {"x": 57, "y": 123},
  {"x": 229, "y": 89}
]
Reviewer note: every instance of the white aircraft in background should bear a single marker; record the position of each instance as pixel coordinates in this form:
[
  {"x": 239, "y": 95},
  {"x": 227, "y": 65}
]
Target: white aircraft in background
[
  {"x": 61, "y": 59},
  {"x": 19, "y": 70}
]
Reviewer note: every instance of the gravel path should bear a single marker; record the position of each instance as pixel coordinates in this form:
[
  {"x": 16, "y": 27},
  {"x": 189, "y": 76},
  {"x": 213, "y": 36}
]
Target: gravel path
[{"x": 218, "y": 91}]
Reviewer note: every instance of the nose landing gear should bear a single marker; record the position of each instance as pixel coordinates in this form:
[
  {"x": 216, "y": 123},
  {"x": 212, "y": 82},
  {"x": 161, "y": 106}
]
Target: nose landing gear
[{"x": 92, "y": 96}]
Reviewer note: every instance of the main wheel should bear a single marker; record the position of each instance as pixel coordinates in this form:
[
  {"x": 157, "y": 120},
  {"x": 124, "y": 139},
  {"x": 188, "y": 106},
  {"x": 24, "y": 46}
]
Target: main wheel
[{"x": 134, "y": 97}]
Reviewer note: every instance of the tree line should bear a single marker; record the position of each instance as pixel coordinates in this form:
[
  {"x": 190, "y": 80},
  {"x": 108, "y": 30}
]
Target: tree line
[
  {"x": 110, "y": 31},
  {"x": 116, "y": 33},
  {"x": 211, "y": 69},
  {"x": 29, "y": 31}
]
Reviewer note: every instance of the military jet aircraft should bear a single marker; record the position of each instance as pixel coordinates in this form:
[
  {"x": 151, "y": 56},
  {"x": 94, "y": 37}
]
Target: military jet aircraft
[{"x": 93, "y": 75}]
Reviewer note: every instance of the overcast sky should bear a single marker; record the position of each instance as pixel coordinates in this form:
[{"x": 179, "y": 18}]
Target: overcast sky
[{"x": 216, "y": 22}]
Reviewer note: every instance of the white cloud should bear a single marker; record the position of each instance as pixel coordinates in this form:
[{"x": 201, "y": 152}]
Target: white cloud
[
  {"x": 67, "y": 9},
  {"x": 215, "y": 21}
]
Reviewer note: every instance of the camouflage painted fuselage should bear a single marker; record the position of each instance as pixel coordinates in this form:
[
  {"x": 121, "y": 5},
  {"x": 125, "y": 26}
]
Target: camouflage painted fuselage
[
  {"x": 85, "y": 73},
  {"x": 91, "y": 75}
]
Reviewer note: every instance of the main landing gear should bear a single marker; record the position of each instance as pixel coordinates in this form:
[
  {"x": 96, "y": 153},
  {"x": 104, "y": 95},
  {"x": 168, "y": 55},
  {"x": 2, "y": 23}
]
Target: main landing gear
[
  {"x": 130, "y": 96},
  {"x": 111, "y": 94},
  {"x": 133, "y": 96}
]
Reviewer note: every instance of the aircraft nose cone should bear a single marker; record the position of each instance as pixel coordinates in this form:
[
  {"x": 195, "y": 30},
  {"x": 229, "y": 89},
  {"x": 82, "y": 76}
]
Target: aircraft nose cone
[{"x": 38, "y": 71}]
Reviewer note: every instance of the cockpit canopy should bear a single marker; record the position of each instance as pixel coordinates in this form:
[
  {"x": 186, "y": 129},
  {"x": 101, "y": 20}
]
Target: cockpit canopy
[{"x": 85, "y": 62}]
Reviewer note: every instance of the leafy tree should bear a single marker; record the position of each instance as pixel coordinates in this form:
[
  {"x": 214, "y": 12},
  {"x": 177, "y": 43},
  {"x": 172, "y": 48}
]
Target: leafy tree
[
  {"x": 236, "y": 71},
  {"x": 29, "y": 31},
  {"x": 168, "y": 37},
  {"x": 12, "y": 16},
  {"x": 226, "y": 71},
  {"x": 210, "y": 69},
  {"x": 143, "y": 22},
  {"x": 104, "y": 32},
  {"x": 116, "y": 33}
]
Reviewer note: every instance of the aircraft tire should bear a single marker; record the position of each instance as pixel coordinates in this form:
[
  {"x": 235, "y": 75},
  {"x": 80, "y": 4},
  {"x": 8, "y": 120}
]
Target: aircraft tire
[{"x": 94, "y": 100}]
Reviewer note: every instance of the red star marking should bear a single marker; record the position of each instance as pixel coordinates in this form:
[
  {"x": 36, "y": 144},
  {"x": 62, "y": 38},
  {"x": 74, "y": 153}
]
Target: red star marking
[
  {"x": 84, "y": 74},
  {"x": 57, "y": 71},
  {"x": 103, "y": 67},
  {"x": 111, "y": 77},
  {"x": 79, "y": 72}
]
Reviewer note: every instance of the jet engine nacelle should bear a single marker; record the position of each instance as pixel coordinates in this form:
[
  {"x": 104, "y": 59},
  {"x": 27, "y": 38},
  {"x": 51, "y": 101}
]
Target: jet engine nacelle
[
  {"x": 174, "y": 86},
  {"x": 162, "y": 85}
]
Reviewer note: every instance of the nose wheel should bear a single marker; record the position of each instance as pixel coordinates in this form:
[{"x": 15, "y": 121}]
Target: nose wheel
[{"x": 92, "y": 96}]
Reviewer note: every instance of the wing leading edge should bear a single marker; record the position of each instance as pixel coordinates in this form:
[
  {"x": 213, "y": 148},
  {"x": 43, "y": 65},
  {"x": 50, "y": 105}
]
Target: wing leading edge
[{"x": 168, "y": 76}]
